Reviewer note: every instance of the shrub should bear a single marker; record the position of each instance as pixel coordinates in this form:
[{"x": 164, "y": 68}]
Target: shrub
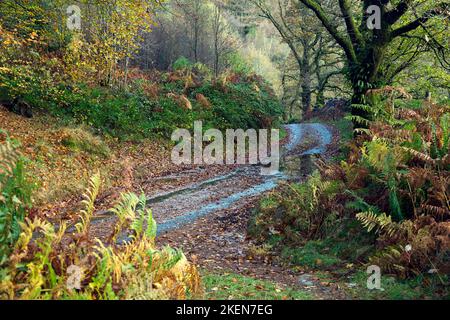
[
  {"x": 299, "y": 212},
  {"x": 398, "y": 175},
  {"x": 182, "y": 63},
  {"x": 238, "y": 64},
  {"x": 239, "y": 100}
]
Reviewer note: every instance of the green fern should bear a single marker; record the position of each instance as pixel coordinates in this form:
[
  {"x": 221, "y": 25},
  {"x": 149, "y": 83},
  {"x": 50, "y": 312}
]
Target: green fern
[
  {"x": 14, "y": 197},
  {"x": 380, "y": 223},
  {"x": 388, "y": 259},
  {"x": 126, "y": 211},
  {"x": 38, "y": 268},
  {"x": 89, "y": 202},
  {"x": 359, "y": 204},
  {"x": 144, "y": 217},
  {"x": 358, "y": 120},
  {"x": 385, "y": 160}
]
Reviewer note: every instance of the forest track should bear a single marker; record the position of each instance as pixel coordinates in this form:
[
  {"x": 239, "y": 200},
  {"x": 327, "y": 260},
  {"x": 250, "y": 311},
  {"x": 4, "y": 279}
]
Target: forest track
[
  {"x": 183, "y": 205},
  {"x": 214, "y": 236},
  {"x": 208, "y": 219},
  {"x": 225, "y": 191}
]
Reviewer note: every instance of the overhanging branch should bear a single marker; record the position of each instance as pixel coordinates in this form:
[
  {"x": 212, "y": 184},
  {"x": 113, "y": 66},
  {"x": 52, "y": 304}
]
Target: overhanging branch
[
  {"x": 352, "y": 31},
  {"x": 322, "y": 16},
  {"x": 442, "y": 9}
]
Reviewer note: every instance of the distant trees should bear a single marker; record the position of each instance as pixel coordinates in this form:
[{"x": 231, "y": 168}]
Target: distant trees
[
  {"x": 109, "y": 32},
  {"x": 195, "y": 29},
  {"x": 311, "y": 48},
  {"x": 194, "y": 15},
  {"x": 223, "y": 41},
  {"x": 377, "y": 41}
]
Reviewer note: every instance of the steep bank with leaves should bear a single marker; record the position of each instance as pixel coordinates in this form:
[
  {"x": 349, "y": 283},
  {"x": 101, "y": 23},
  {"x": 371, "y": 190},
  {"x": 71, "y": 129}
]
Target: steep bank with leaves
[{"x": 153, "y": 103}]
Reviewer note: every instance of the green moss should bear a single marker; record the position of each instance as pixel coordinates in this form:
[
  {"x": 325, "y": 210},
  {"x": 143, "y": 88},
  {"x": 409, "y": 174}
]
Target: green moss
[{"x": 312, "y": 255}]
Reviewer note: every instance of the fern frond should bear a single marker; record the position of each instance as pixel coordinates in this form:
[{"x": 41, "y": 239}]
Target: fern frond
[
  {"x": 359, "y": 204},
  {"x": 143, "y": 216},
  {"x": 364, "y": 107},
  {"x": 389, "y": 259},
  {"x": 363, "y": 131},
  {"x": 89, "y": 202},
  {"x": 359, "y": 120},
  {"x": 376, "y": 153},
  {"x": 8, "y": 160},
  {"x": 152, "y": 228},
  {"x": 125, "y": 211},
  {"x": 435, "y": 211},
  {"x": 380, "y": 223},
  {"x": 422, "y": 156}
]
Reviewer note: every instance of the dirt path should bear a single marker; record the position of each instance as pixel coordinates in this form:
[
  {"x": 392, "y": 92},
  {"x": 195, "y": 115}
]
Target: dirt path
[
  {"x": 214, "y": 233},
  {"x": 208, "y": 219},
  {"x": 183, "y": 204},
  {"x": 178, "y": 208}
]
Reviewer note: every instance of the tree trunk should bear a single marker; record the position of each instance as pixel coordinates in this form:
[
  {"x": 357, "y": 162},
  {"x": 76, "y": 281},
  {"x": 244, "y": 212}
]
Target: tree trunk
[
  {"x": 306, "y": 83},
  {"x": 306, "y": 96},
  {"x": 365, "y": 75},
  {"x": 358, "y": 99},
  {"x": 320, "y": 99}
]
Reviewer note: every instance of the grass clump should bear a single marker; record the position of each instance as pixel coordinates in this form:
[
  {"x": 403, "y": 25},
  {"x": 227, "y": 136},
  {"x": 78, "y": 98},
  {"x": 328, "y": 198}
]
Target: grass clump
[
  {"x": 392, "y": 288},
  {"x": 231, "y": 286},
  {"x": 81, "y": 140},
  {"x": 311, "y": 255}
]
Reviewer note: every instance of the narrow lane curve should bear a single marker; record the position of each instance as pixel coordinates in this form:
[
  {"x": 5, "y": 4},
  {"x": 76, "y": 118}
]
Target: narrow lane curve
[{"x": 227, "y": 191}]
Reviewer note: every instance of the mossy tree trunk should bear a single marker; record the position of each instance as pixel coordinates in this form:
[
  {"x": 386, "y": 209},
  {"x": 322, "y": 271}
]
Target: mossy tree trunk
[{"x": 365, "y": 47}]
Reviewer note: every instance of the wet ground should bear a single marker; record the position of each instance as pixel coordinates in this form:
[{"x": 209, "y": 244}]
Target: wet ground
[
  {"x": 177, "y": 207},
  {"x": 208, "y": 218},
  {"x": 184, "y": 206},
  {"x": 215, "y": 234}
]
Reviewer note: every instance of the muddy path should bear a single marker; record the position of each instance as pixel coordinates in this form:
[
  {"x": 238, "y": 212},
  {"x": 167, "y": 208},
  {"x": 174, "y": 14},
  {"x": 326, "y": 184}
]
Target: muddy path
[
  {"x": 208, "y": 219},
  {"x": 214, "y": 234},
  {"x": 178, "y": 208},
  {"x": 184, "y": 204}
]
